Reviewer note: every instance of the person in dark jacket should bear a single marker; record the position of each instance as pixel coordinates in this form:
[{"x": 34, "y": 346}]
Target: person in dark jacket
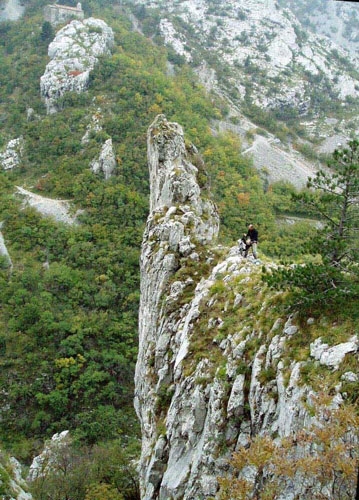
[{"x": 252, "y": 235}]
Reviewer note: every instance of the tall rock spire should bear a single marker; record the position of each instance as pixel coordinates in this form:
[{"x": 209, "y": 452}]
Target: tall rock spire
[{"x": 180, "y": 222}]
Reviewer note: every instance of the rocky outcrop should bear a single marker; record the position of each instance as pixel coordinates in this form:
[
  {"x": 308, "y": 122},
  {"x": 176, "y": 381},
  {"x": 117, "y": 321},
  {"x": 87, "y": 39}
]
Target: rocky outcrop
[
  {"x": 53, "y": 453},
  {"x": 106, "y": 162},
  {"x": 262, "y": 54},
  {"x": 215, "y": 367},
  {"x": 260, "y": 37},
  {"x": 11, "y": 10},
  {"x": 338, "y": 21},
  {"x": 93, "y": 127},
  {"x": 12, "y": 485},
  {"x": 180, "y": 223},
  {"x": 333, "y": 356},
  {"x": 11, "y": 156},
  {"x": 3, "y": 249},
  {"x": 74, "y": 52}
]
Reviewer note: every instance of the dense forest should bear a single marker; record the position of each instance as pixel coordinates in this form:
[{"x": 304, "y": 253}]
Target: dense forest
[{"x": 69, "y": 304}]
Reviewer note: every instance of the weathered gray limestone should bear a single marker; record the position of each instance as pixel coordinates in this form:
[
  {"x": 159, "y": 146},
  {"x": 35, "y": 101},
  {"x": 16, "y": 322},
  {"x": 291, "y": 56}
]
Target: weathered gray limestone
[
  {"x": 3, "y": 249},
  {"x": 74, "y": 53},
  {"x": 106, "y": 162},
  {"x": 193, "y": 414},
  {"x": 178, "y": 222},
  {"x": 11, "y": 156}
]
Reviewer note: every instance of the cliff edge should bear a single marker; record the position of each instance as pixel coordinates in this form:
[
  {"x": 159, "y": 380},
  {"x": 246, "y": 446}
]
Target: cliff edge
[{"x": 216, "y": 365}]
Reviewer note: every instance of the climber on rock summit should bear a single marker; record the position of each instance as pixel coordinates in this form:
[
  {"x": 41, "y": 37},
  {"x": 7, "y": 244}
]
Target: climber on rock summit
[{"x": 252, "y": 235}]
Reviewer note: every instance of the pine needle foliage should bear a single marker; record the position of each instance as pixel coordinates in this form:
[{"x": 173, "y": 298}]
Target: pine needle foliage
[{"x": 334, "y": 281}]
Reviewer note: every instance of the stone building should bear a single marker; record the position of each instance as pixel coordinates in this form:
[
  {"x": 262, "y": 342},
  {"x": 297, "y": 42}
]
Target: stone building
[{"x": 58, "y": 14}]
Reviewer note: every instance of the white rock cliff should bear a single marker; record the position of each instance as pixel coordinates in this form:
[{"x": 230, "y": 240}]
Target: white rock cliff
[
  {"x": 74, "y": 53},
  {"x": 11, "y": 156}
]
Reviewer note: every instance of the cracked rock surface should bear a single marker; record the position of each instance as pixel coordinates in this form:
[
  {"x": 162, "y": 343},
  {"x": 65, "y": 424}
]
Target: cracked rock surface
[
  {"x": 74, "y": 53},
  {"x": 207, "y": 383}
]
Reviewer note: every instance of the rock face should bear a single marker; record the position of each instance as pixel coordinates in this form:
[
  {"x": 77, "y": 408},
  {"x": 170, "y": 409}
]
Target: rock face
[
  {"x": 93, "y": 127},
  {"x": 48, "y": 459},
  {"x": 180, "y": 222},
  {"x": 13, "y": 487},
  {"x": 74, "y": 52},
  {"x": 12, "y": 10},
  {"x": 260, "y": 56},
  {"x": 259, "y": 42},
  {"x": 264, "y": 58},
  {"x": 332, "y": 356},
  {"x": 211, "y": 373},
  {"x": 106, "y": 162},
  {"x": 11, "y": 156},
  {"x": 3, "y": 250},
  {"x": 338, "y": 21}
]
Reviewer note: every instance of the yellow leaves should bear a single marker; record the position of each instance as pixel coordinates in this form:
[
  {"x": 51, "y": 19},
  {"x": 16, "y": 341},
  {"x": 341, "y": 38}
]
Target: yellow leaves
[
  {"x": 102, "y": 278},
  {"x": 309, "y": 465},
  {"x": 347, "y": 467},
  {"x": 258, "y": 455},
  {"x": 71, "y": 361},
  {"x": 244, "y": 199},
  {"x": 281, "y": 466},
  {"x": 138, "y": 98},
  {"x": 193, "y": 132},
  {"x": 64, "y": 362},
  {"x": 159, "y": 98},
  {"x": 102, "y": 491},
  {"x": 208, "y": 153},
  {"x": 324, "y": 435},
  {"x": 230, "y": 488},
  {"x": 91, "y": 197},
  {"x": 101, "y": 100},
  {"x": 67, "y": 369},
  {"x": 260, "y": 452},
  {"x": 317, "y": 455},
  {"x": 347, "y": 416},
  {"x": 155, "y": 109}
]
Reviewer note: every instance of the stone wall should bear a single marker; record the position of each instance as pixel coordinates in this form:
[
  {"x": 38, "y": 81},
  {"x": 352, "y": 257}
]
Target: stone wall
[{"x": 58, "y": 14}]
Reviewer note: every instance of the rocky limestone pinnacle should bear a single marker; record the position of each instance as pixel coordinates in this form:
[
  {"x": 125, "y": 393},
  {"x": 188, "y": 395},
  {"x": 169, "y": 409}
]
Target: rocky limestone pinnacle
[
  {"x": 180, "y": 221},
  {"x": 214, "y": 368},
  {"x": 184, "y": 408},
  {"x": 106, "y": 162}
]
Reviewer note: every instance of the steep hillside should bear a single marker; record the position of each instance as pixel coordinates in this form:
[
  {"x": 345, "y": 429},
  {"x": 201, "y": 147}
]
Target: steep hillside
[
  {"x": 261, "y": 56},
  {"x": 74, "y": 193},
  {"x": 275, "y": 73},
  {"x": 70, "y": 234},
  {"x": 336, "y": 20},
  {"x": 73, "y": 203}
]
